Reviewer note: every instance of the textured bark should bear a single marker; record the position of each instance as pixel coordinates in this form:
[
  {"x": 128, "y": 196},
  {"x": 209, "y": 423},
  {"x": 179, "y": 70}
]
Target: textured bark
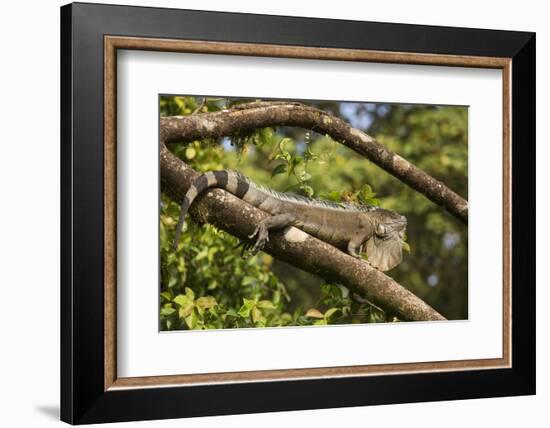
[
  {"x": 294, "y": 246},
  {"x": 246, "y": 118}
]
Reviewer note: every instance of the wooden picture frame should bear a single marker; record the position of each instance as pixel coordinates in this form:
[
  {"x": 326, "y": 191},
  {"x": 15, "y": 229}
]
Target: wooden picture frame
[{"x": 91, "y": 390}]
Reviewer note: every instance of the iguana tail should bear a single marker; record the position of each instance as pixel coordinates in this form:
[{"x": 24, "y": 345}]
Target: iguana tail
[{"x": 231, "y": 181}]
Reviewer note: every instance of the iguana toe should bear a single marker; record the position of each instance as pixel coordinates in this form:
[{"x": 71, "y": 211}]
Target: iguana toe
[
  {"x": 263, "y": 237},
  {"x": 255, "y": 232}
]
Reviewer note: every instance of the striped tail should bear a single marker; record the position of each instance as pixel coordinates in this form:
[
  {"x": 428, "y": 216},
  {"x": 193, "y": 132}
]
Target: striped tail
[{"x": 231, "y": 181}]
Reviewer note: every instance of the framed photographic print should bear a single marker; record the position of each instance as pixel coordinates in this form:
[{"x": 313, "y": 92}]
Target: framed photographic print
[{"x": 257, "y": 207}]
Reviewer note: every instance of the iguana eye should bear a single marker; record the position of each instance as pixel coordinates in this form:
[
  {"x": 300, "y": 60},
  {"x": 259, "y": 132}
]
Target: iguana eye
[{"x": 381, "y": 229}]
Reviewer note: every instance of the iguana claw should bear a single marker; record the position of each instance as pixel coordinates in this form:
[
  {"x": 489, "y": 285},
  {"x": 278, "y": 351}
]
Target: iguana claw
[
  {"x": 263, "y": 237},
  {"x": 255, "y": 232}
]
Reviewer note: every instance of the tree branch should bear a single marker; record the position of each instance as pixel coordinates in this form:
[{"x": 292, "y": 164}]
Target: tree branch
[
  {"x": 294, "y": 246},
  {"x": 245, "y": 118}
]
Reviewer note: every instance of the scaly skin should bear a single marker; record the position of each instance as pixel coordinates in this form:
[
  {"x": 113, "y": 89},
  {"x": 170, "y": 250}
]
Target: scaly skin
[{"x": 345, "y": 226}]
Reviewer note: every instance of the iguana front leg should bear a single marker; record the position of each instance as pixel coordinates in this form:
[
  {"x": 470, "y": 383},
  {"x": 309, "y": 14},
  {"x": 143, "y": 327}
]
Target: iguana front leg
[
  {"x": 276, "y": 222},
  {"x": 355, "y": 245}
]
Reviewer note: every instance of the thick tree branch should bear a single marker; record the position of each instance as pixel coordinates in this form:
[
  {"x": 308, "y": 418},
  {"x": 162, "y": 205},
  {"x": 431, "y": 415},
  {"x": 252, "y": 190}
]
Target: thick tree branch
[
  {"x": 235, "y": 216},
  {"x": 246, "y": 118}
]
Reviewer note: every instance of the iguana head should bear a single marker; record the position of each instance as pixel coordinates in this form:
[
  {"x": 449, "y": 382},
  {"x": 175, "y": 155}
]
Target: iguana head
[{"x": 385, "y": 246}]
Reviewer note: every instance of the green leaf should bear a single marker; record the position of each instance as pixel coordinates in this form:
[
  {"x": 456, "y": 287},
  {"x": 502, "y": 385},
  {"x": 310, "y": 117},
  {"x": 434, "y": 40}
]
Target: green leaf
[
  {"x": 331, "y": 290},
  {"x": 249, "y": 303},
  {"x": 344, "y": 291},
  {"x": 276, "y": 297},
  {"x": 191, "y": 320},
  {"x": 167, "y": 311},
  {"x": 232, "y": 313},
  {"x": 206, "y": 302},
  {"x": 279, "y": 169},
  {"x": 265, "y": 304},
  {"x": 309, "y": 155},
  {"x": 266, "y": 134},
  {"x": 256, "y": 314},
  {"x": 184, "y": 311},
  {"x": 199, "y": 310},
  {"x": 172, "y": 281},
  {"x": 190, "y": 152},
  {"x": 333, "y": 196},
  {"x": 366, "y": 195},
  {"x": 247, "y": 306},
  {"x": 282, "y": 144},
  {"x": 183, "y": 300},
  {"x": 247, "y": 280},
  {"x": 244, "y": 311},
  {"x": 166, "y": 295},
  {"x": 202, "y": 254},
  {"x": 305, "y": 176},
  {"x": 189, "y": 293},
  {"x": 214, "y": 311},
  {"x": 308, "y": 190},
  {"x": 331, "y": 312},
  {"x": 180, "y": 102},
  {"x": 406, "y": 247}
]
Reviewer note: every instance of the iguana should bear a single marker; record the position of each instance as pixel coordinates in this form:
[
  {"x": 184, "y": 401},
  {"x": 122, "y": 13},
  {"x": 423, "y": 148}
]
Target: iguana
[{"x": 349, "y": 227}]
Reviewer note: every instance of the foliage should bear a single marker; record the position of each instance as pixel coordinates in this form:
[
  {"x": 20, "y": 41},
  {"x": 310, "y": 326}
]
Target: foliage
[
  {"x": 436, "y": 140},
  {"x": 208, "y": 284}
]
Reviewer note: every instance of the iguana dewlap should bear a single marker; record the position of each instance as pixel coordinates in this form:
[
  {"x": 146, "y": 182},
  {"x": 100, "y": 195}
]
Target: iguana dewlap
[{"x": 349, "y": 227}]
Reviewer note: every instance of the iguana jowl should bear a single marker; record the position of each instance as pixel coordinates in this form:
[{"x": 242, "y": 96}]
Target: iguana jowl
[{"x": 349, "y": 227}]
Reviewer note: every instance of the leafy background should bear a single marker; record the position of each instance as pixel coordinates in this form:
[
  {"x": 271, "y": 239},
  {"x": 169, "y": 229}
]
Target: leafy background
[{"x": 208, "y": 284}]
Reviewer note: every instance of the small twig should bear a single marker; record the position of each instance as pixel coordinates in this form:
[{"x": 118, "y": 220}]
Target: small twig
[{"x": 199, "y": 108}]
